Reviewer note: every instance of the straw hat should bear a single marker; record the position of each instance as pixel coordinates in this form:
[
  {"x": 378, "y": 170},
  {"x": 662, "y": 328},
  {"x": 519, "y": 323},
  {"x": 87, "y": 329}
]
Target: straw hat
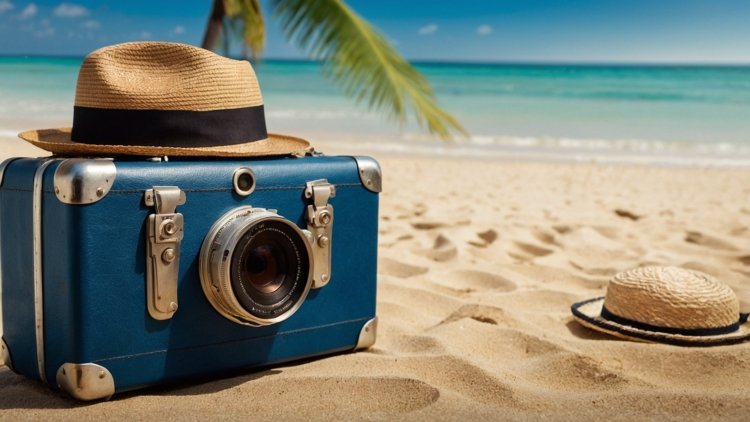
[
  {"x": 666, "y": 305},
  {"x": 154, "y": 98}
]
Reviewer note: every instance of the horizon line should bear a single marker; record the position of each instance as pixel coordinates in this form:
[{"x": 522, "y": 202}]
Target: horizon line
[{"x": 511, "y": 62}]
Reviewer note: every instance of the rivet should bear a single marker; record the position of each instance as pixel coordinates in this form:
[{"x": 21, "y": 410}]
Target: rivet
[
  {"x": 102, "y": 374},
  {"x": 168, "y": 255},
  {"x": 323, "y": 241},
  {"x": 172, "y": 306},
  {"x": 325, "y": 218},
  {"x": 170, "y": 227},
  {"x": 324, "y": 278},
  {"x": 57, "y": 190},
  {"x": 99, "y": 192}
]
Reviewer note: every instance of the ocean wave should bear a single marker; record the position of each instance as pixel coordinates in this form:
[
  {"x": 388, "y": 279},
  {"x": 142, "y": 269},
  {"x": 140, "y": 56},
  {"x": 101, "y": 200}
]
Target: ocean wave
[
  {"x": 633, "y": 145},
  {"x": 628, "y": 145},
  {"x": 320, "y": 114},
  {"x": 564, "y": 151},
  {"x": 8, "y": 133}
]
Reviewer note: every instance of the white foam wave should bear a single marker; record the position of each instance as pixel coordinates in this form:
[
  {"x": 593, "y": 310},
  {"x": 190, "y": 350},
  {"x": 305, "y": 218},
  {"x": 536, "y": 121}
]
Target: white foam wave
[
  {"x": 604, "y": 145},
  {"x": 319, "y": 114}
]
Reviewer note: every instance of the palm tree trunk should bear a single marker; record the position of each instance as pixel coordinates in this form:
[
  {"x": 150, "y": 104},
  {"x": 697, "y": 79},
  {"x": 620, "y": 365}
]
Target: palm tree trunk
[{"x": 215, "y": 25}]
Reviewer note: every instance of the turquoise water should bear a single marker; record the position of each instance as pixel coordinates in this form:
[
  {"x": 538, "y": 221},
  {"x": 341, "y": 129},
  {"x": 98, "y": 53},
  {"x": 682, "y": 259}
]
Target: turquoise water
[{"x": 578, "y": 106}]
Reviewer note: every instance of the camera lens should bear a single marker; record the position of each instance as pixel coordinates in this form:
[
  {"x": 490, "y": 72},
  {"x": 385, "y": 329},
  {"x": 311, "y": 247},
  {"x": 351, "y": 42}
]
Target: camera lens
[
  {"x": 255, "y": 266},
  {"x": 269, "y": 269}
]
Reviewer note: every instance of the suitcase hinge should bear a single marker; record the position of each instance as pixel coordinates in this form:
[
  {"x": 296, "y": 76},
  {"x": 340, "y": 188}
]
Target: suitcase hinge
[{"x": 165, "y": 232}]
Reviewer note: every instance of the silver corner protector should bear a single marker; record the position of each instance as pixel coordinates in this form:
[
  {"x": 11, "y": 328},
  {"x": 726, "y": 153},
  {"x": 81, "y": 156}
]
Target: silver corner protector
[
  {"x": 370, "y": 173},
  {"x": 84, "y": 180},
  {"x": 5, "y": 355},
  {"x": 368, "y": 334},
  {"x": 86, "y": 381},
  {"x": 3, "y": 166}
]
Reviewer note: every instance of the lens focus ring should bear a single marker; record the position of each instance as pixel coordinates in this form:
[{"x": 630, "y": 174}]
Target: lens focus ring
[{"x": 255, "y": 266}]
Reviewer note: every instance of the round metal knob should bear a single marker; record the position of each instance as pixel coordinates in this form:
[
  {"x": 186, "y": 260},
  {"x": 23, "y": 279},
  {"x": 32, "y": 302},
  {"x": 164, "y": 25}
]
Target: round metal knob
[{"x": 168, "y": 255}]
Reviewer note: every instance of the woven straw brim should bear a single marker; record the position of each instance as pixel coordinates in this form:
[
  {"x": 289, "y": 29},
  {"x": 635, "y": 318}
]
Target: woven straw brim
[
  {"x": 588, "y": 313},
  {"x": 58, "y": 141}
]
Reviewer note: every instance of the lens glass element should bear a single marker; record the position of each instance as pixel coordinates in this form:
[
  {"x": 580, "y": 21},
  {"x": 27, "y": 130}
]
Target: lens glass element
[
  {"x": 265, "y": 268},
  {"x": 269, "y": 269}
]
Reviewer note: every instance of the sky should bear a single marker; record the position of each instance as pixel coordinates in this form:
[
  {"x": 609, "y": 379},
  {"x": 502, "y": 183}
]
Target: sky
[{"x": 573, "y": 31}]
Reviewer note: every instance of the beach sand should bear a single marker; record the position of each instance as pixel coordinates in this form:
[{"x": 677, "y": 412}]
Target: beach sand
[{"x": 479, "y": 263}]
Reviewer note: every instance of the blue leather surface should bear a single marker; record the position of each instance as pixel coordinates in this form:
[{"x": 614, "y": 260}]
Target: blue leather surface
[
  {"x": 94, "y": 271},
  {"x": 17, "y": 264}
]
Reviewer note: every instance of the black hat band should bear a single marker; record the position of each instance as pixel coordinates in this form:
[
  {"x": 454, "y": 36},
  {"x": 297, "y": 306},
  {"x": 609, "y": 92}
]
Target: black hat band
[
  {"x": 168, "y": 128},
  {"x": 713, "y": 331}
]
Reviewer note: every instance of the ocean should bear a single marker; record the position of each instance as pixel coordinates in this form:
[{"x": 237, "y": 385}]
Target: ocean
[{"x": 557, "y": 108}]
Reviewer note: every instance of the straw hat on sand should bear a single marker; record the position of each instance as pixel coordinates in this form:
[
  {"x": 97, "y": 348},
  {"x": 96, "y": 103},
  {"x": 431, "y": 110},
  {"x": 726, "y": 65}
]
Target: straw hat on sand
[
  {"x": 154, "y": 98},
  {"x": 666, "y": 305}
]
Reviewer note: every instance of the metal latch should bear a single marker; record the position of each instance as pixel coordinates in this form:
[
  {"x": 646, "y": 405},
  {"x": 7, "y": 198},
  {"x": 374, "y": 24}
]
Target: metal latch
[
  {"x": 320, "y": 225},
  {"x": 165, "y": 231}
]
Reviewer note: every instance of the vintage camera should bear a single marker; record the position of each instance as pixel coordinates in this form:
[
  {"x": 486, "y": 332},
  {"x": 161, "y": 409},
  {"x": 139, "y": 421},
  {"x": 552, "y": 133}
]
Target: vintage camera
[{"x": 123, "y": 273}]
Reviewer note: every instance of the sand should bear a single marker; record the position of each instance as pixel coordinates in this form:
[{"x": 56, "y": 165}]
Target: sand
[{"x": 479, "y": 263}]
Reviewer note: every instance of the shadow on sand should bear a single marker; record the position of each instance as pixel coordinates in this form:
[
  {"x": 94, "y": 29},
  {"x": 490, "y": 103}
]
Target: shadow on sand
[{"x": 19, "y": 392}]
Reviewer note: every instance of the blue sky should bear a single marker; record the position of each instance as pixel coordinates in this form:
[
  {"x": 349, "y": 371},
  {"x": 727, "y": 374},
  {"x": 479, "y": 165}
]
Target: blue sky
[{"x": 706, "y": 31}]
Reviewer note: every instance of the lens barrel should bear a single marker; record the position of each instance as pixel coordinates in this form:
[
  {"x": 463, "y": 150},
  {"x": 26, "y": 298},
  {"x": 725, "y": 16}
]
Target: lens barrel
[{"x": 255, "y": 266}]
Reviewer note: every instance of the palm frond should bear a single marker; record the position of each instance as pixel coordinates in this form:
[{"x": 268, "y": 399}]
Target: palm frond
[
  {"x": 245, "y": 18},
  {"x": 356, "y": 55}
]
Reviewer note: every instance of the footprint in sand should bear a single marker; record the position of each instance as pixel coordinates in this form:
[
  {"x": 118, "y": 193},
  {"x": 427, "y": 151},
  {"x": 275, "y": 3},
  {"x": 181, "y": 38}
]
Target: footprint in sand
[
  {"x": 467, "y": 281},
  {"x": 486, "y": 238},
  {"x": 399, "y": 269},
  {"x": 427, "y": 224},
  {"x": 544, "y": 236},
  {"x": 482, "y": 313},
  {"x": 562, "y": 229},
  {"x": 623, "y": 213},
  {"x": 710, "y": 241},
  {"x": 524, "y": 251},
  {"x": 442, "y": 250}
]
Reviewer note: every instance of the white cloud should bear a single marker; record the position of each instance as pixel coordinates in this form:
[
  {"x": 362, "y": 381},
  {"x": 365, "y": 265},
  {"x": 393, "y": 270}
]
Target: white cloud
[
  {"x": 28, "y": 12},
  {"x": 5, "y": 5},
  {"x": 428, "y": 29},
  {"x": 178, "y": 30},
  {"x": 70, "y": 10},
  {"x": 91, "y": 24},
  {"x": 46, "y": 31},
  {"x": 484, "y": 30}
]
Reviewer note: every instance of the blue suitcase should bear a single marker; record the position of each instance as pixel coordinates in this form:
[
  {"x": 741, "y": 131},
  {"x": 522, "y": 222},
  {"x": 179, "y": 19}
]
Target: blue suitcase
[{"x": 119, "y": 274}]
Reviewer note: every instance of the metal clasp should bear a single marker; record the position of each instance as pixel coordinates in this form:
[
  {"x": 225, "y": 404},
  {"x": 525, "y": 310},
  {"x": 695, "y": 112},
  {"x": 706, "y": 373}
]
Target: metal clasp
[
  {"x": 320, "y": 225},
  {"x": 165, "y": 232}
]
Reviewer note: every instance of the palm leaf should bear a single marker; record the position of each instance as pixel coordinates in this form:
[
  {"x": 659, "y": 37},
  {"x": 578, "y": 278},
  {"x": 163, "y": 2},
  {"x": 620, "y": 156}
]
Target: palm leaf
[
  {"x": 356, "y": 55},
  {"x": 245, "y": 18}
]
